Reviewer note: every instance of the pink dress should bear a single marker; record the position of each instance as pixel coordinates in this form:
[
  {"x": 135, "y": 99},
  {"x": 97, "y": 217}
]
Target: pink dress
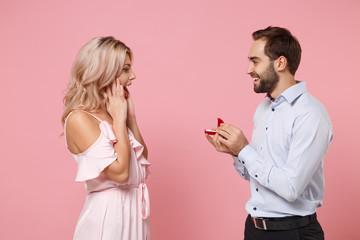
[{"x": 112, "y": 211}]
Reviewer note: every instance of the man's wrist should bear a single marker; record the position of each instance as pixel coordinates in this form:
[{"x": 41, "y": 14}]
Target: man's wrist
[{"x": 236, "y": 153}]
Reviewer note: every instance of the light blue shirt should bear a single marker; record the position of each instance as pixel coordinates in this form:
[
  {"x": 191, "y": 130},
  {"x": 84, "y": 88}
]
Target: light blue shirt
[{"x": 284, "y": 160}]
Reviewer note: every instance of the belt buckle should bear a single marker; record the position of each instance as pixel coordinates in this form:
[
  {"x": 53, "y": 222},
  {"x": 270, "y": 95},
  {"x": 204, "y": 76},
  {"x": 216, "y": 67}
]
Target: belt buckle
[{"x": 263, "y": 223}]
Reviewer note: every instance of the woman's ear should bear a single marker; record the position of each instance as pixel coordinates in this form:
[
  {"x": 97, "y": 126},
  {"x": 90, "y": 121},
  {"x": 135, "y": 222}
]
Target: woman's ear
[{"x": 280, "y": 64}]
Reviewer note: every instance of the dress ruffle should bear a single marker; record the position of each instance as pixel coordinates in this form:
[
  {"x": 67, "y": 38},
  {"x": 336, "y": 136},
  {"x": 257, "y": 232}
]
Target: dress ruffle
[
  {"x": 108, "y": 131},
  {"x": 98, "y": 156},
  {"x": 138, "y": 149},
  {"x": 101, "y": 154}
]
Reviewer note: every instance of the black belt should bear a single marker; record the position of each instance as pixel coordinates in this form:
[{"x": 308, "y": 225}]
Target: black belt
[{"x": 285, "y": 223}]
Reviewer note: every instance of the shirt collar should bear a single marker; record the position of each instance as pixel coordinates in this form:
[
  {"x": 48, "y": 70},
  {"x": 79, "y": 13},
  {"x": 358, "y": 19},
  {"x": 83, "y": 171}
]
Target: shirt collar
[
  {"x": 292, "y": 92},
  {"x": 269, "y": 97},
  {"x": 295, "y": 91}
]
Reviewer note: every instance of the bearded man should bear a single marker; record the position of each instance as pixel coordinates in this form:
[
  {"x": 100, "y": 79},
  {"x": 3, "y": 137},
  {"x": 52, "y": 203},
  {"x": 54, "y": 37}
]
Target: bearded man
[{"x": 292, "y": 133}]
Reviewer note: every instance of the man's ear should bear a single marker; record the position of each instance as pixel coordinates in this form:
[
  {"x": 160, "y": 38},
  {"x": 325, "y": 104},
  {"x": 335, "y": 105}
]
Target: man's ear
[{"x": 280, "y": 64}]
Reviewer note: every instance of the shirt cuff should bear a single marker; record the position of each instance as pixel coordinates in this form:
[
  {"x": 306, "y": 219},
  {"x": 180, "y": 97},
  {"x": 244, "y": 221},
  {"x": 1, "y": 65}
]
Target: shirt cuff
[
  {"x": 237, "y": 161},
  {"x": 247, "y": 156},
  {"x": 247, "y": 153},
  {"x": 255, "y": 165},
  {"x": 239, "y": 167}
]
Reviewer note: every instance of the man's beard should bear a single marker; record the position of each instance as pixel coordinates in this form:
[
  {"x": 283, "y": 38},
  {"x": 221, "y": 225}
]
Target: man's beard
[{"x": 268, "y": 80}]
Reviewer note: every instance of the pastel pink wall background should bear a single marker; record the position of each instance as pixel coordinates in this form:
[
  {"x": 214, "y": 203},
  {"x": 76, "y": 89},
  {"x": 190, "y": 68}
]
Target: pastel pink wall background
[{"x": 190, "y": 60}]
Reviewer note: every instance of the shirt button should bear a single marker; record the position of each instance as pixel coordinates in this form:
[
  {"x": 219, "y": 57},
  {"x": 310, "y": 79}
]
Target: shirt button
[
  {"x": 243, "y": 162},
  {"x": 273, "y": 109},
  {"x": 255, "y": 175},
  {"x": 266, "y": 128},
  {"x": 254, "y": 208},
  {"x": 257, "y": 189}
]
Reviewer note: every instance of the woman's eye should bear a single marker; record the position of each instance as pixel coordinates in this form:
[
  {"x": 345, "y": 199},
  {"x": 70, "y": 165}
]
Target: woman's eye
[{"x": 126, "y": 70}]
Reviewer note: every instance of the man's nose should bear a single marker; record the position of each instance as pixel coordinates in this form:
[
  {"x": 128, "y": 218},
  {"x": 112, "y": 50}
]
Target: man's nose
[{"x": 250, "y": 69}]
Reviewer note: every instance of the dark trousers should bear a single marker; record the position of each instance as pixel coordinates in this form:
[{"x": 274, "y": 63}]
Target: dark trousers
[{"x": 313, "y": 231}]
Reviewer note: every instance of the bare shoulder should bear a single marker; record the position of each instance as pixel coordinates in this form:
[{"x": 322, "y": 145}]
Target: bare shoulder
[
  {"x": 82, "y": 130},
  {"x": 79, "y": 118}
]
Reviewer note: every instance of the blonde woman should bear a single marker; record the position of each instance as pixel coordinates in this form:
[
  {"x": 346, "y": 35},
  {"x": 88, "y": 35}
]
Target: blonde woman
[{"x": 102, "y": 135}]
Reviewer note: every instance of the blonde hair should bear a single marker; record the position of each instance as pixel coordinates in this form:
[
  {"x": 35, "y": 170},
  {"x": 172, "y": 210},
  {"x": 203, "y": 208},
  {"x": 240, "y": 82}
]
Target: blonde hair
[{"x": 96, "y": 66}]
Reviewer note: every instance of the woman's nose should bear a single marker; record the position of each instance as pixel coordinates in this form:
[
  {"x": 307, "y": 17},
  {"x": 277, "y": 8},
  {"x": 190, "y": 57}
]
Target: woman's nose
[{"x": 132, "y": 76}]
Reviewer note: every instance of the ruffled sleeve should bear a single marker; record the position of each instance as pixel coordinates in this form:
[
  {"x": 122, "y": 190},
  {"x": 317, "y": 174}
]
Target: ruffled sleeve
[
  {"x": 138, "y": 149},
  {"x": 100, "y": 155}
]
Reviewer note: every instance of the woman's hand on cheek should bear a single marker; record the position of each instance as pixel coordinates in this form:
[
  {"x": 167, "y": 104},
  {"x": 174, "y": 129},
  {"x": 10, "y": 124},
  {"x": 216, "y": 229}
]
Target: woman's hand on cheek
[
  {"x": 130, "y": 105},
  {"x": 117, "y": 104}
]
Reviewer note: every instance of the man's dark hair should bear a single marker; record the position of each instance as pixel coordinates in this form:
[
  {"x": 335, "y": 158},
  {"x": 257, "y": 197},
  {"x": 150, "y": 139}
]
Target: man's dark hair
[{"x": 280, "y": 42}]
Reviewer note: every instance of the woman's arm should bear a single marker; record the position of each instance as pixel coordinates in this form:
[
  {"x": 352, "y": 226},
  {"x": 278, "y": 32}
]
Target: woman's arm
[
  {"x": 118, "y": 171},
  {"x": 132, "y": 124}
]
